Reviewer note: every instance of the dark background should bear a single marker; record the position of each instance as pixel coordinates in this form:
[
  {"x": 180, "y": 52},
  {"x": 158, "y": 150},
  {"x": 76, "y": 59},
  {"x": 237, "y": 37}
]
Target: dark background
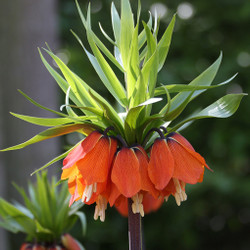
[{"x": 217, "y": 212}]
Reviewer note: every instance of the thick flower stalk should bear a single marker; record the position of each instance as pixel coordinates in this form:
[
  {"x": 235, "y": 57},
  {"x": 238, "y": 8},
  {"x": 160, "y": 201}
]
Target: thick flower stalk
[{"x": 133, "y": 158}]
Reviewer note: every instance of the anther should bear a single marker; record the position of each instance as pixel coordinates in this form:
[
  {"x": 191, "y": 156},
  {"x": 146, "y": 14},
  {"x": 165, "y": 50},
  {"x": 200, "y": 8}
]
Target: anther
[
  {"x": 101, "y": 206},
  {"x": 137, "y": 206},
  {"x": 180, "y": 194},
  {"x": 88, "y": 191}
]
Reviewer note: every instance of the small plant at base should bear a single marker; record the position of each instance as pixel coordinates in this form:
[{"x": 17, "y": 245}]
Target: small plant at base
[{"x": 45, "y": 217}]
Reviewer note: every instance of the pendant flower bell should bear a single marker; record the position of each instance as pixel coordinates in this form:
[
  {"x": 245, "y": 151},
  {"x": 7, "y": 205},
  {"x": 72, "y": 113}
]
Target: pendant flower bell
[{"x": 173, "y": 164}]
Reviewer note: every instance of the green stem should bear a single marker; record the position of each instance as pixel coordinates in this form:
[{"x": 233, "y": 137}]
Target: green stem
[{"x": 134, "y": 229}]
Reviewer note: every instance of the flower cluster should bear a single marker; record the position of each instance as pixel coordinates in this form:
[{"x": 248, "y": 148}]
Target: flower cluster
[{"x": 102, "y": 169}]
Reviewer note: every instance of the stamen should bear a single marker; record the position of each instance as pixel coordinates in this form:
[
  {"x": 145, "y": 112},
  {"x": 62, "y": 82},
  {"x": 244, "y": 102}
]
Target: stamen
[
  {"x": 166, "y": 198},
  {"x": 101, "y": 206},
  {"x": 137, "y": 206},
  {"x": 88, "y": 191},
  {"x": 180, "y": 194},
  {"x": 177, "y": 199},
  {"x": 95, "y": 187}
]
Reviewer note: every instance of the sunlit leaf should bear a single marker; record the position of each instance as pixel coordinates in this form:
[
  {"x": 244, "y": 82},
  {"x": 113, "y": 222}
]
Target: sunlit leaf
[
  {"x": 113, "y": 84},
  {"x": 164, "y": 43},
  {"x": 109, "y": 113},
  {"x": 204, "y": 79},
  {"x": 127, "y": 30},
  {"x": 116, "y": 24},
  {"x": 173, "y": 88},
  {"x": 47, "y": 122},
  {"x": 54, "y": 132},
  {"x": 222, "y": 108},
  {"x": 98, "y": 41},
  {"x": 134, "y": 65}
]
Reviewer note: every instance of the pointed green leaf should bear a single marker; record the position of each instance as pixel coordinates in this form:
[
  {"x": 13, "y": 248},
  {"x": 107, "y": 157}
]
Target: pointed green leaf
[
  {"x": 222, "y": 108},
  {"x": 174, "y": 113},
  {"x": 98, "y": 41},
  {"x": 106, "y": 35},
  {"x": 164, "y": 43},
  {"x": 53, "y": 132},
  {"x": 10, "y": 213},
  {"x": 138, "y": 11},
  {"x": 142, "y": 36},
  {"x": 127, "y": 30},
  {"x": 113, "y": 84},
  {"x": 172, "y": 88},
  {"x": 56, "y": 159},
  {"x": 134, "y": 65},
  {"x": 131, "y": 123},
  {"x": 109, "y": 113},
  {"x": 47, "y": 122},
  {"x": 116, "y": 24},
  {"x": 77, "y": 87},
  {"x": 41, "y": 229},
  {"x": 83, "y": 221},
  {"x": 204, "y": 79},
  {"x": 40, "y": 106},
  {"x": 151, "y": 42}
]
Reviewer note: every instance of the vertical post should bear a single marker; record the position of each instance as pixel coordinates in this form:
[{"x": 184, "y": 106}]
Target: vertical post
[{"x": 134, "y": 228}]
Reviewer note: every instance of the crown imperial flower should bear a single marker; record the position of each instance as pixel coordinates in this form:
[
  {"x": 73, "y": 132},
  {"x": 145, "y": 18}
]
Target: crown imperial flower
[{"x": 108, "y": 169}]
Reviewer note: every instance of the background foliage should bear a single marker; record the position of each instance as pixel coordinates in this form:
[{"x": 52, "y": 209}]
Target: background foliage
[{"x": 217, "y": 212}]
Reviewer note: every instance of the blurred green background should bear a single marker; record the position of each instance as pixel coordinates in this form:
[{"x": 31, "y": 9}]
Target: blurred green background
[{"x": 217, "y": 212}]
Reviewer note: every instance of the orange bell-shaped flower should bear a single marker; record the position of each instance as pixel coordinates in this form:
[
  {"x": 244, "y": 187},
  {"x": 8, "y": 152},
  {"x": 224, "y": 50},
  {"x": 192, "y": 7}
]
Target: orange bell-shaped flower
[
  {"x": 130, "y": 176},
  {"x": 87, "y": 166},
  {"x": 173, "y": 163}
]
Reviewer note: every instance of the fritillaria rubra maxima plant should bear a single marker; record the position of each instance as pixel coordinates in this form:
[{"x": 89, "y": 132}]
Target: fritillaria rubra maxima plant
[
  {"x": 45, "y": 218},
  {"x": 131, "y": 158}
]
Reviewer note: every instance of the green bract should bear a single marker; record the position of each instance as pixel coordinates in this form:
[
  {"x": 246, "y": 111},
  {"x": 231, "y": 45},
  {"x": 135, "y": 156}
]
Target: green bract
[
  {"x": 46, "y": 214},
  {"x": 139, "y": 54}
]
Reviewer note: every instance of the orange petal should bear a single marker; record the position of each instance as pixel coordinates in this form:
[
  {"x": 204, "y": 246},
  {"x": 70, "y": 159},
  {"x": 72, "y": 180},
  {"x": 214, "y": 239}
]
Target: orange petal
[
  {"x": 73, "y": 191},
  {"x": 146, "y": 183},
  {"x": 169, "y": 189},
  {"x": 114, "y": 194},
  {"x": 125, "y": 172},
  {"x": 161, "y": 164},
  {"x": 94, "y": 166},
  {"x": 113, "y": 148},
  {"x": 150, "y": 203},
  {"x": 187, "y": 167},
  {"x": 182, "y": 141},
  {"x": 82, "y": 149},
  {"x": 122, "y": 206},
  {"x": 69, "y": 172}
]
